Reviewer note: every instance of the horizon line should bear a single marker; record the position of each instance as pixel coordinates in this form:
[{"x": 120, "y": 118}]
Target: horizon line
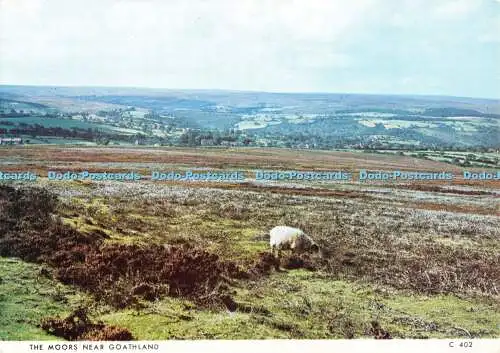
[{"x": 435, "y": 95}]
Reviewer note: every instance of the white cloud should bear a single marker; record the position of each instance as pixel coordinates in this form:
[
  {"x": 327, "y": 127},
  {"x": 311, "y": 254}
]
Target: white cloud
[
  {"x": 455, "y": 9},
  {"x": 206, "y": 41},
  {"x": 235, "y": 44}
]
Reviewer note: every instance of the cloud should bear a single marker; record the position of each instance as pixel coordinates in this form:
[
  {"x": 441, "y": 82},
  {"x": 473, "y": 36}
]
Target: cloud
[
  {"x": 227, "y": 37},
  {"x": 456, "y": 9},
  {"x": 288, "y": 45}
]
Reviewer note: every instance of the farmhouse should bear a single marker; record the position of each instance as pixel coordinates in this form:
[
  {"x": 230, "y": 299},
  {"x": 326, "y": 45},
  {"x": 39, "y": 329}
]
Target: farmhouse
[
  {"x": 207, "y": 142},
  {"x": 229, "y": 143}
]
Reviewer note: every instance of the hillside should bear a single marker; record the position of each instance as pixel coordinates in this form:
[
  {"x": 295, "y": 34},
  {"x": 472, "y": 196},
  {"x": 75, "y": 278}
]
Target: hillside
[{"x": 197, "y": 117}]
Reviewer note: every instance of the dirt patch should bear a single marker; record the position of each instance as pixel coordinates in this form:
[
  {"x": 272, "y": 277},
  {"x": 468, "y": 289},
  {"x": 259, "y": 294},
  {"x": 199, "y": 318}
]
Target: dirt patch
[
  {"x": 440, "y": 189},
  {"x": 265, "y": 263},
  {"x": 295, "y": 261},
  {"x": 378, "y": 332},
  {"x": 434, "y": 206},
  {"x": 78, "y": 326}
]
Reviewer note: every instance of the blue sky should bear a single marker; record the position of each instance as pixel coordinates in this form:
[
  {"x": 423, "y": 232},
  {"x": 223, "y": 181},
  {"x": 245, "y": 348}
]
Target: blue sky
[{"x": 438, "y": 47}]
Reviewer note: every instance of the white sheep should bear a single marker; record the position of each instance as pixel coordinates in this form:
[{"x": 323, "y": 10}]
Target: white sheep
[{"x": 289, "y": 238}]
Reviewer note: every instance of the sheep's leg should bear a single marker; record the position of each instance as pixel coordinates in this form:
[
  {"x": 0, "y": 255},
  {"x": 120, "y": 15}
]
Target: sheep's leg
[
  {"x": 277, "y": 264},
  {"x": 274, "y": 250}
]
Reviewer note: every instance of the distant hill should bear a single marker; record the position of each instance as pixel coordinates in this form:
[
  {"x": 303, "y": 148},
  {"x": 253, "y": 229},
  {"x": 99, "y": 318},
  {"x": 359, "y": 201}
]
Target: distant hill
[{"x": 317, "y": 120}]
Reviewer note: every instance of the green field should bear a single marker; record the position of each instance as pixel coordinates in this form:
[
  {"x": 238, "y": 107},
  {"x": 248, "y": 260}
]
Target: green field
[
  {"x": 62, "y": 123},
  {"x": 27, "y": 296}
]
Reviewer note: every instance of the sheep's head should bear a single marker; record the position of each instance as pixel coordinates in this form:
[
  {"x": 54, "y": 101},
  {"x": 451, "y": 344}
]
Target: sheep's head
[{"x": 309, "y": 245}]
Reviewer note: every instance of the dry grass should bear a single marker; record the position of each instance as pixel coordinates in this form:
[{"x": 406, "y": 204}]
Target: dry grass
[
  {"x": 272, "y": 158},
  {"x": 416, "y": 246},
  {"x": 424, "y": 239}
]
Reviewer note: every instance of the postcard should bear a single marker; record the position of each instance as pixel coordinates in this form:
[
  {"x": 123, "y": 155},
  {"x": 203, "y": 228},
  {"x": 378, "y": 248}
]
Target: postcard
[{"x": 249, "y": 175}]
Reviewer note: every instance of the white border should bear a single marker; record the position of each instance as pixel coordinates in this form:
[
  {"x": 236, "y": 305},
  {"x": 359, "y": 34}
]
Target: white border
[{"x": 264, "y": 346}]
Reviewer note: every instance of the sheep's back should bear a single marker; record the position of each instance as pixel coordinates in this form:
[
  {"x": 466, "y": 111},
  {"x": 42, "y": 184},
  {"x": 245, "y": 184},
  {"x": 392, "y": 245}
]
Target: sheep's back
[{"x": 283, "y": 236}]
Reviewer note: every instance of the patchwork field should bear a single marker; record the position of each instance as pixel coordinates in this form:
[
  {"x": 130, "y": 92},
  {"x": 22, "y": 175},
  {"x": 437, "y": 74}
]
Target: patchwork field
[{"x": 190, "y": 259}]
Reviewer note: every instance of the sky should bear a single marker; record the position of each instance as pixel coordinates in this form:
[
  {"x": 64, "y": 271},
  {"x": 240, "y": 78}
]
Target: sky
[{"x": 430, "y": 47}]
